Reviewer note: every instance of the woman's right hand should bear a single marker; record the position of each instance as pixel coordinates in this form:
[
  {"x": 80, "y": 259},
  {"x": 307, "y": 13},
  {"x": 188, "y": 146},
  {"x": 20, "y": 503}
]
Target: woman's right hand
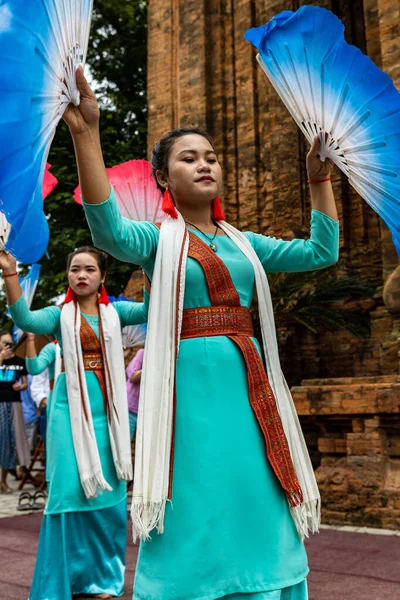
[
  {"x": 8, "y": 263},
  {"x": 5, "y": 354},
  {"x": 85, "y": 117}
]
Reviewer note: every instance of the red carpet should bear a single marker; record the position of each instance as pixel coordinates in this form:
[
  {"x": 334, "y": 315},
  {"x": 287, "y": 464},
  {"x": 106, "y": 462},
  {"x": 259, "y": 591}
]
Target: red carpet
[{"x": 344, "y": 566}]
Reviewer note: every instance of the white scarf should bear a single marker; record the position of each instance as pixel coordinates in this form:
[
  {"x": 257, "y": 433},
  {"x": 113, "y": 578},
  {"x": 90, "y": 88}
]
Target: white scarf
[
  {"x": 154, "y": 433},
  {"x": 57, "y": 363},
  {"x": 85, "y": 446}
]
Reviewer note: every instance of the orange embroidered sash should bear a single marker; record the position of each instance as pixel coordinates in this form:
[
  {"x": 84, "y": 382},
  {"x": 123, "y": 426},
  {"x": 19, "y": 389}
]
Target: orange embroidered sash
[
  {"x": 93, "y": 357},
  {"x": 216, "y": 320},
  {"x": 228, "y": 317}
]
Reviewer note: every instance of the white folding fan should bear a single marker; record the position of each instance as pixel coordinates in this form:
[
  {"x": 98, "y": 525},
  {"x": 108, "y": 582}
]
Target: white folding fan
[{"x": 134, "y": 335}]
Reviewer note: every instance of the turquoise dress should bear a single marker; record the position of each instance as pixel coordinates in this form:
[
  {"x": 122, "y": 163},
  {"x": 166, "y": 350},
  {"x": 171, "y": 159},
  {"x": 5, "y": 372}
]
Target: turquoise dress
[
  {"x": 36, "y": 365},
  {"x": 82, "y": 541},
  {"x": 228, "y": 531}
]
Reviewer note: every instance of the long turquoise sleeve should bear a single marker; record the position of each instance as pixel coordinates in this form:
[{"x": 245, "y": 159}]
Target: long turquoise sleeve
[
  {"x": 45, "y": 320},
  {"x": 319, "y": 251},
  {"x": 41, "y": 361},
  {"x": 133, "y": 313},
  {"x": 128, "y": 241}
]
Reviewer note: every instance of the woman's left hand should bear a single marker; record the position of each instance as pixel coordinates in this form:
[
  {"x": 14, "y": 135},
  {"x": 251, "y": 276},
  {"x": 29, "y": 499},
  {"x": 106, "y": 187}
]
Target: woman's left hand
[
  {"x": 136, "y": 377},
  {"x": 316, "y": 169}
]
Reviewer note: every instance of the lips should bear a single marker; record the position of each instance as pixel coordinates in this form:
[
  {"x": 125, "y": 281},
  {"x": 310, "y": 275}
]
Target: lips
[
  {"x": 205, "y": 179},
  {"x": 82, "y": 284}
]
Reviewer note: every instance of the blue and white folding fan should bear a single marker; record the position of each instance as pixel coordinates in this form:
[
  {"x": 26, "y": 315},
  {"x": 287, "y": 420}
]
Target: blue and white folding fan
[
  {"x": 41, "y": 44},
  {"x": 332, "y": 88},
  {"x": 28, "y": 286},
  {"x": 49, "y": 183}
]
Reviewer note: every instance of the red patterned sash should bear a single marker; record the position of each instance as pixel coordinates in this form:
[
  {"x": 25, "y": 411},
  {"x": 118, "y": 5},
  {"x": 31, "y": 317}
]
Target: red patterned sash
[{"x": 234, "y": 321}]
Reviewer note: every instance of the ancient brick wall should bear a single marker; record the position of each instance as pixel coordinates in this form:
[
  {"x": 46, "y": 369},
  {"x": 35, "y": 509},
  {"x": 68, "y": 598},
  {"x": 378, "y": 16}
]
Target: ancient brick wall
[{"x": 202, "y": 72}]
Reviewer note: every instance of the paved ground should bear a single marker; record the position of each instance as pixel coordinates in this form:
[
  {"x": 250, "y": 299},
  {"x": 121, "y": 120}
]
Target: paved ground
[
  {"x": 9, "y": 502},
  {"x": 344, "y": 565}
]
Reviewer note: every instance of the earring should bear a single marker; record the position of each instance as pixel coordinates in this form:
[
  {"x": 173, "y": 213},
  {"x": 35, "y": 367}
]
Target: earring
[
  {"x": 70, "y": 296},
  {"x": 217, "y": 212},
  {"x": 103, "y": 297},
  {"x": 168, "y": 205}
]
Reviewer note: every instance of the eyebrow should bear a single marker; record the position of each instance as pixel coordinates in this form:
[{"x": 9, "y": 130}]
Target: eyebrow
[
  {"x": 196, "y": 151},
  {"x": 85, "y": 266}
]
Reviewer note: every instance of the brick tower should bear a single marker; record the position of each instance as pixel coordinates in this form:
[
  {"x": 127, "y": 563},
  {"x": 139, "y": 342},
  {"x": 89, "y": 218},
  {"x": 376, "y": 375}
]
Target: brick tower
[{"x": 201, "y": 72}]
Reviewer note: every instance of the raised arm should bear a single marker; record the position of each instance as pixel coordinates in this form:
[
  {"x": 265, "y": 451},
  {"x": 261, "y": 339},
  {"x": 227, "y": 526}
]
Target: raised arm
[
  {"x": 39, "y": 321},
  {"x": 83, "y": 123},
  {"x": 322, "y": 249},
  {"x": 37, "y": 363},
  {"x": 127, "y": 241},
  {"x": 30, "y": 347},
  {"x": 322, "y": 198},
  {"x": 133, "y": 313},
  {"x": 45, "y": 320},
  {"x": 318, "y": 252}
]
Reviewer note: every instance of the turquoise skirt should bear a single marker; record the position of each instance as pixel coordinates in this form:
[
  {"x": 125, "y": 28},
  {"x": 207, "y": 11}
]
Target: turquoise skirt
[
  {"x": 294, "y": 592},
  {"x": 81, "y": 553},
  {"x": 228, "y": 529}
]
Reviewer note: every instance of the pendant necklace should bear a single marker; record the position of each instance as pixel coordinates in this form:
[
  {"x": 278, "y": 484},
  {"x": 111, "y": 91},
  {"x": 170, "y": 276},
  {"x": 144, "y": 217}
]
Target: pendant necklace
[
  {"x": 212, "y": 245},
  {"x": 92, "y": 319}
]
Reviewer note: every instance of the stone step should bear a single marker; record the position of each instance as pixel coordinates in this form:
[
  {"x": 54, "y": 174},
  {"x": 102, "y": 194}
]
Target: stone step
[
  {"x": 350, "y": 380},
  {"x": 346, "y": 396}
]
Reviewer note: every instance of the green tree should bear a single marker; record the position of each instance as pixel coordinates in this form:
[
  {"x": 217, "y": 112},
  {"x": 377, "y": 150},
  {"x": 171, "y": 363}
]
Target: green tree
[
  {"x": 117, "y": 65},
  {"x": 321, "y": 302}
]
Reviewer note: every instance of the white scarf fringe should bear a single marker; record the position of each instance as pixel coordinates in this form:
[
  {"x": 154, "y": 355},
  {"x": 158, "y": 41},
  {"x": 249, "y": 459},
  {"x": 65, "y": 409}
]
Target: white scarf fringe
[
  {"x": 85, "y": 445},
  {"x": 154, "y": 432}
]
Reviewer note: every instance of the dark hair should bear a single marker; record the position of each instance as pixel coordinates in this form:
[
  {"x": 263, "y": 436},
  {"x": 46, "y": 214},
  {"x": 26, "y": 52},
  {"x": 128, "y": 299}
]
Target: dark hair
[
  {"x": 160, "y": 153},
  {"x": 101, "y": 257}
]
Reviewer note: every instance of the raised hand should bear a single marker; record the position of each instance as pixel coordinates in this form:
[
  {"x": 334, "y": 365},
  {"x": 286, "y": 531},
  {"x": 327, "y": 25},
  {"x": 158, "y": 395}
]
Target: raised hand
[
  {"x": 85, "y": 117},
  {"x": 7, "y": 262},
  {"x": 317, "y": 169}
]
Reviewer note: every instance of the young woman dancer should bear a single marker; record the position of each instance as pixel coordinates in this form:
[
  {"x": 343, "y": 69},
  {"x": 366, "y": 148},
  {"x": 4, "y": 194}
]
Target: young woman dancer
[
  {"x": 83, "y": 536},
  {"x": 217, "y": 432},
  {"x": 45, "y": 367}
]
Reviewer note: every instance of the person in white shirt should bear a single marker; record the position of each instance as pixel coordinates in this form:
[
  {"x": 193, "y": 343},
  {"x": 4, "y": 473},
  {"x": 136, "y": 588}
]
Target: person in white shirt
[{"x": 40, "y": 391}]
